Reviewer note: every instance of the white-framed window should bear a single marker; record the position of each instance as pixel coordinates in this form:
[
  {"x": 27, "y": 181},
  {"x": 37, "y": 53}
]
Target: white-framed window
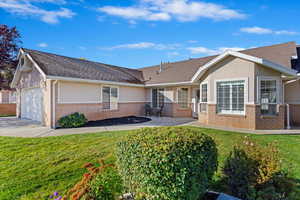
[
  {"x": 268, "y": 95},
  {"x": 183, "y": 97},
  {"x": 231, "y": 96},
  {"x": 158, "y": 97},
  {"x": 203, "y": 97},
  {"x": 110, "y": 96}
]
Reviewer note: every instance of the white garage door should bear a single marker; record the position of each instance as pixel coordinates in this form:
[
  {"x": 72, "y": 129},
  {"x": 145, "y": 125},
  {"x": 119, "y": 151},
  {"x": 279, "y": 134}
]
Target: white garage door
[{"x": 31, "y": 104}]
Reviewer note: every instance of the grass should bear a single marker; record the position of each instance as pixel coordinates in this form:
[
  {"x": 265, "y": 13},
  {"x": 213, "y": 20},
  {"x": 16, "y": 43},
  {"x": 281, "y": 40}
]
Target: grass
[
  {"x": 7, "y": 115},
  {"x": 33, "y": 168}
]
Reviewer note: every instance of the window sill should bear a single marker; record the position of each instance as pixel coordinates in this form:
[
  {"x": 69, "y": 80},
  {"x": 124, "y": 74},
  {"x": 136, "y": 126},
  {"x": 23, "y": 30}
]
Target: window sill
[
  {"x": 231, "y": 115},
  {"x": 107, "y": 110}
]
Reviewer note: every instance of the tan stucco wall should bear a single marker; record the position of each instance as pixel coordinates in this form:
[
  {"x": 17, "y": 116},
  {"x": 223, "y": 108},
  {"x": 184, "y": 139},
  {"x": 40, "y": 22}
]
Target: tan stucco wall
[
  {"x": 292, "y": 93},
  {"x": 229, "y": 69},
  {"x": 132, "y": 94},
  {"x": 76, "y": 92}
]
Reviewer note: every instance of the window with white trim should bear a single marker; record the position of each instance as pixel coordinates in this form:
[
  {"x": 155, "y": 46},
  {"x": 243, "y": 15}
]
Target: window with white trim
[
  {"x": 268, "y": 97},
  {"x": 183, "y": 97},
  {"x": 158, "y": 98},
  {"x": 203, "y": 100},
  {"x": 231, "y": 97},
  {"x": 110, "y": 98}
]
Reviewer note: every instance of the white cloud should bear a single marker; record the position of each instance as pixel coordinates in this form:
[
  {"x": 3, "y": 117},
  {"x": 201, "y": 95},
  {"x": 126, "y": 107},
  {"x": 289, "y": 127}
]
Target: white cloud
[
  {"x": 173, "y": 54},
  {"x": 207, "y": 51},
  {"x": 262, "y": 31},
  {"x": 164, "y": 10},
  {"x": 43, "y": 45},
  {"x": 26, "y": 8},
  {"x": 144, "y": 45},
  {"x": 82, "y": 48}
]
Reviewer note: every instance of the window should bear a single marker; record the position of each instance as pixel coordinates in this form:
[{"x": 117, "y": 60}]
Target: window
[
  {"x": 203, "y": 102},
  {"x": 183, "y": 97},
  {"x": 110, "y": 98},
  {"x": 158, "y": 97},
  {"x": 268, "y": 97},
  {"x": 204, "y": 93},
  {"x": 230, "y": 97}
]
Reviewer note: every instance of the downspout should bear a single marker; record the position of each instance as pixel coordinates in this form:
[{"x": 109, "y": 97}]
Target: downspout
[{"x": 54, "y": 104}]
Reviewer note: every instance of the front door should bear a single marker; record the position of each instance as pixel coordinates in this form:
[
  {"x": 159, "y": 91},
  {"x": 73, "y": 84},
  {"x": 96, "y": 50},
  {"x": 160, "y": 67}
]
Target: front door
[{"x": 196, "y": 99}]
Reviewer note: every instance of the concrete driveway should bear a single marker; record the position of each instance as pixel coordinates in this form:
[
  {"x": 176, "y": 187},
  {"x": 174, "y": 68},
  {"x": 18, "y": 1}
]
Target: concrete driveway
[{"x": 11, "y": 126}]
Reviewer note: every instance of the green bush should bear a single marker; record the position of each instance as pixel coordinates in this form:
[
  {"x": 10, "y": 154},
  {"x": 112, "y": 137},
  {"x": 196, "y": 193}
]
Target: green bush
[
  {"x": 106, "y": 185},
  {"x": 167, "y": 163},
  {"x": 252, "y": 171},
  {"x": 73, "y": 120}
]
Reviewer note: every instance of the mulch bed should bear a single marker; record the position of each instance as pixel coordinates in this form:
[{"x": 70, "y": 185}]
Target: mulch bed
[{"x": 118, "y": 121}]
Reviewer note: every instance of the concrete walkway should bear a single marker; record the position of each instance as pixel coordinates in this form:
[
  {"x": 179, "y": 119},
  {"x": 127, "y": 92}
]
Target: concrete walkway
[
  {"x": 11, "y": 126},
  {"x": 293, "y": 131}
]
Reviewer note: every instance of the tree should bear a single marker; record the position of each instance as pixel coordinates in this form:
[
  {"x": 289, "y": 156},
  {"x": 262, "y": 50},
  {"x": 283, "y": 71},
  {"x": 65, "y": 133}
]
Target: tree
[{"x": 9, "y": 46}]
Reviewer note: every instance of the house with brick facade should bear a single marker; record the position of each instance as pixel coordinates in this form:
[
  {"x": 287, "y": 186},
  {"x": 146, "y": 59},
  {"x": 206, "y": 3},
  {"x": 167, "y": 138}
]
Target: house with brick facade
[{"x": 256, "y": 88}]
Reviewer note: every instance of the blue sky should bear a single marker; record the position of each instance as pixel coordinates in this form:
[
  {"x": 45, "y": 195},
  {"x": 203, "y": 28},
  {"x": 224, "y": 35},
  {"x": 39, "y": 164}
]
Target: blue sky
[{"x": 141, "y": 33}]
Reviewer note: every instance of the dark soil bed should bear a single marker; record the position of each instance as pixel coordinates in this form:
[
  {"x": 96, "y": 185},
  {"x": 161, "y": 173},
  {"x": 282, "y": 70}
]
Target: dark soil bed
[{"x": 118, "y": 121}]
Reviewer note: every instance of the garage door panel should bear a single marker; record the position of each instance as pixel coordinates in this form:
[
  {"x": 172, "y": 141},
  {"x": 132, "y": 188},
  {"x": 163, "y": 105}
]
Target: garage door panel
[{"x": 31, "y": 104}]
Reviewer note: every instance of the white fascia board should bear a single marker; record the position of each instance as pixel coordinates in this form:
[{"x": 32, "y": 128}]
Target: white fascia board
[
  {"x": 70, "y": 79},
  {"x": 17, "y": 73},
  {"x": 264, "y": 62},
  {"x": 202, "y": 69},
  {"x": 170, "y": 84},
  {"x": 36, "y": 65}
]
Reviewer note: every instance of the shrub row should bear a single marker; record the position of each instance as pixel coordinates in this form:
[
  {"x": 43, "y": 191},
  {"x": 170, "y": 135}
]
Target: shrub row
[{"x": 167, "y": 163}]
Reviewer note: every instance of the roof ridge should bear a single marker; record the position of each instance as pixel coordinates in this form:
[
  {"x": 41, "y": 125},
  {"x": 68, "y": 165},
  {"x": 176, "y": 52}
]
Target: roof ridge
[
  {"x": 84, "y": 60},
  {"x": 241, "y": 51}
]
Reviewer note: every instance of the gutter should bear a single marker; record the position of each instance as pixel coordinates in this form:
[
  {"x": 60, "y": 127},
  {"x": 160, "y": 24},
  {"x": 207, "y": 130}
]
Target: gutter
[{"x": 92, "y": 81}]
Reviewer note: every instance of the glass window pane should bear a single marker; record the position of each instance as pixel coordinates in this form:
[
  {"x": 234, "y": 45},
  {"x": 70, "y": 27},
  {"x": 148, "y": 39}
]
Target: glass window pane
[
  {"x": 161, "y": 97},
  {"x": 183, "y": 97},
  {"x": 204, "y": 93},
  {"x": 230, "y": 96},
  {"x": 106, "y": 97},
  {"x": 154, "y": 98},
  {"x": 113, "y": 98},
  {"x": 268, "y": 96}
]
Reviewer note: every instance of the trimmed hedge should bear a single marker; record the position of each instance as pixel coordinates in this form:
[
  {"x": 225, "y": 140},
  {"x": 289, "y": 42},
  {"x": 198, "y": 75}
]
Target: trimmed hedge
[
  {"x": 167, "y": 163},
  {"x": 73, "y": 120}
]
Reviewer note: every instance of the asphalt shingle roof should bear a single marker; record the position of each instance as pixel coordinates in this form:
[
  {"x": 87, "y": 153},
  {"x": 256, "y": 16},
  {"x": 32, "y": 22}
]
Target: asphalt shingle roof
[
  {"x": 182, "y": 71},
  {"x": 56, "y": 65}
]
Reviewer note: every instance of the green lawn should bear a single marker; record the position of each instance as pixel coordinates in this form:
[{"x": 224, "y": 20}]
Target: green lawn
[
  {"x": 7, "y": 115},
  {"x": 33, "y": 168}
]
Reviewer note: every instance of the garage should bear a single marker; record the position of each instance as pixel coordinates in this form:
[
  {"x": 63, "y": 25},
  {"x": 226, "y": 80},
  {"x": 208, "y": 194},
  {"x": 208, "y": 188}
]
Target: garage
[{"x": 31, "y": 104}]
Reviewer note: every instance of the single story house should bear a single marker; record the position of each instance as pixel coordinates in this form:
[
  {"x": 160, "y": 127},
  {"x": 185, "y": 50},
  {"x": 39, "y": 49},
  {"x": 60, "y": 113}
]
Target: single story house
[{"x": 256, "y": 88}]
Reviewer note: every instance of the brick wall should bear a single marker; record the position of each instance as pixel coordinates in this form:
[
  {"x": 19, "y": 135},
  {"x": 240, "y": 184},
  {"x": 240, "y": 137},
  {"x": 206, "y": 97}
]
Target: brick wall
[
  {"x": 7, "y": 109},
  {"x": 95, "y": 111},
  {"x": 270, "y": 122},
  {"x": 295, "y": 114},
  {"x": 251, "y": 120},
  {"x": 236, "y": 121},
  {"x": 181, "y": 112}
]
